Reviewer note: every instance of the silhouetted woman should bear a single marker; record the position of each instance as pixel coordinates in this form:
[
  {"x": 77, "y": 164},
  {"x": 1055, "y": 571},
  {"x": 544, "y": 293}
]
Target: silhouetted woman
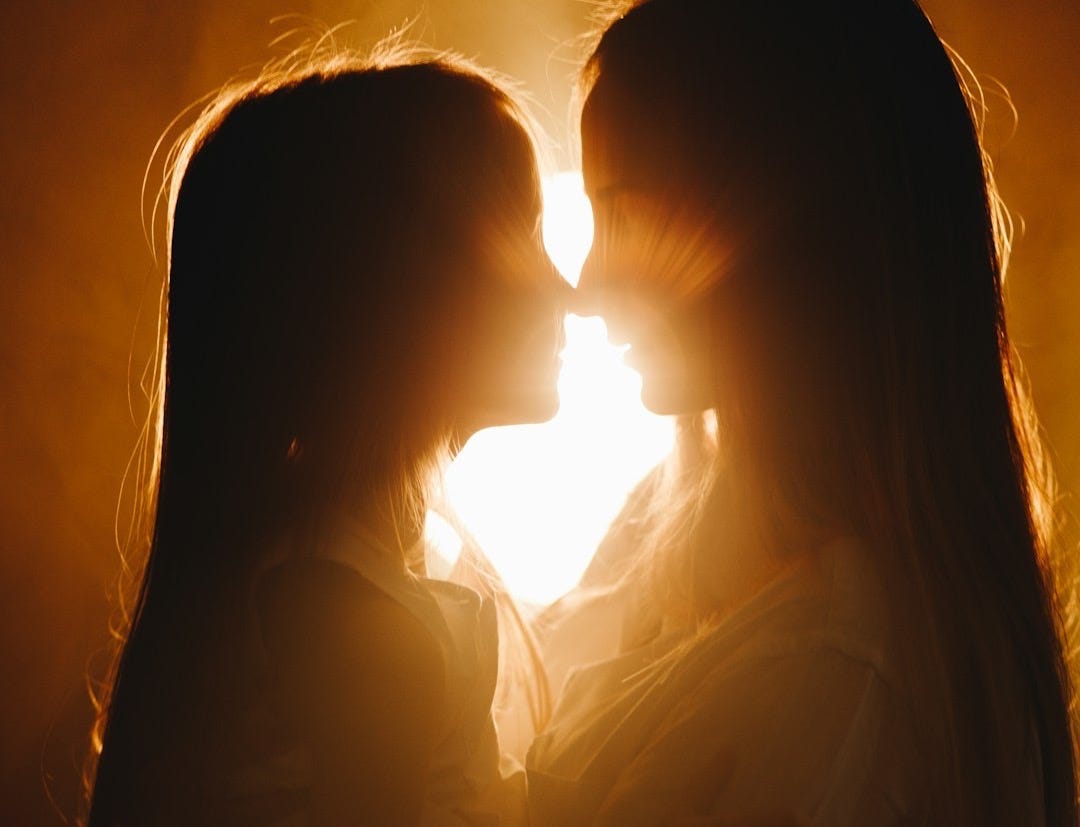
[
  {"x": 839, "y": 600},
  {"x": 356, "y": 284}
]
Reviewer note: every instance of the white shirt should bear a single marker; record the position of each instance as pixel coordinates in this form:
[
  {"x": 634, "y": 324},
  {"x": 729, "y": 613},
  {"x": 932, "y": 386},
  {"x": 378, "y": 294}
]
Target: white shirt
[
  {"x": 468, "y": 783},
  {"x": 789, "y": 705}
]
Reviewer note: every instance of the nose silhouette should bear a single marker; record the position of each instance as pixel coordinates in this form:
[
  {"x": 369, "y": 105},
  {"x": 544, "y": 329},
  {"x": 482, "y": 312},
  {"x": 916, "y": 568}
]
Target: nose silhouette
[
  {"x": 599, "y": 294},
  {"x": 613, "y": 305},
  {"x": 586, "y": 301}
]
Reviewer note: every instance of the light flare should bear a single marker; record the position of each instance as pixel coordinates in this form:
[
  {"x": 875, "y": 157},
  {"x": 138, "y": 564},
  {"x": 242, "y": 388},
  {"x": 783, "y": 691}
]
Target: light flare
[
  {"x": 538, "y": 498},
  {"x": 568, "y": 223}
]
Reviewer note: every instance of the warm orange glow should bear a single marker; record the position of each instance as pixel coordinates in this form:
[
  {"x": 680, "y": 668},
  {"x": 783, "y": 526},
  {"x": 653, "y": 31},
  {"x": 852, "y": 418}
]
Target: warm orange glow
[{"x": 539, "y": 498}]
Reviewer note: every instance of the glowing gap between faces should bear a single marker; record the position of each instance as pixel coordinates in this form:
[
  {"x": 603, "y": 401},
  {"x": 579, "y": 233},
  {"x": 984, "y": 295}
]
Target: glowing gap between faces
[{"x": 538, "y": 498}]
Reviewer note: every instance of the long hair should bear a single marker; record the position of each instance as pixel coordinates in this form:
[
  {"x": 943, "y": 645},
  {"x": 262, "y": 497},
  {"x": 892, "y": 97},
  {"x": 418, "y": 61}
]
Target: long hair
[
  {"x": 322, "y": 267},
  {"x": 865, "y": 376}
]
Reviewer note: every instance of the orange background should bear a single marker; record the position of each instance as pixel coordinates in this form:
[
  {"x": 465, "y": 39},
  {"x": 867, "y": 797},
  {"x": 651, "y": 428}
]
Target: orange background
[{"x": 88, "y": 87}]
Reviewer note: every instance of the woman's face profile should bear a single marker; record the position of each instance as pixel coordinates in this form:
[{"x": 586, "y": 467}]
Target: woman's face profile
[
  {"x": 653, "y": 266},
  {"x": 515, "y": 329}
]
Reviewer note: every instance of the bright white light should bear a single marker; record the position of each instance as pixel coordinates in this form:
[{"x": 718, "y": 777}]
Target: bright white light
[
  {"x": 539, "y": 498},
  {"x": 568, "y": 223},
  {"x": 444, "y": 543}
]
